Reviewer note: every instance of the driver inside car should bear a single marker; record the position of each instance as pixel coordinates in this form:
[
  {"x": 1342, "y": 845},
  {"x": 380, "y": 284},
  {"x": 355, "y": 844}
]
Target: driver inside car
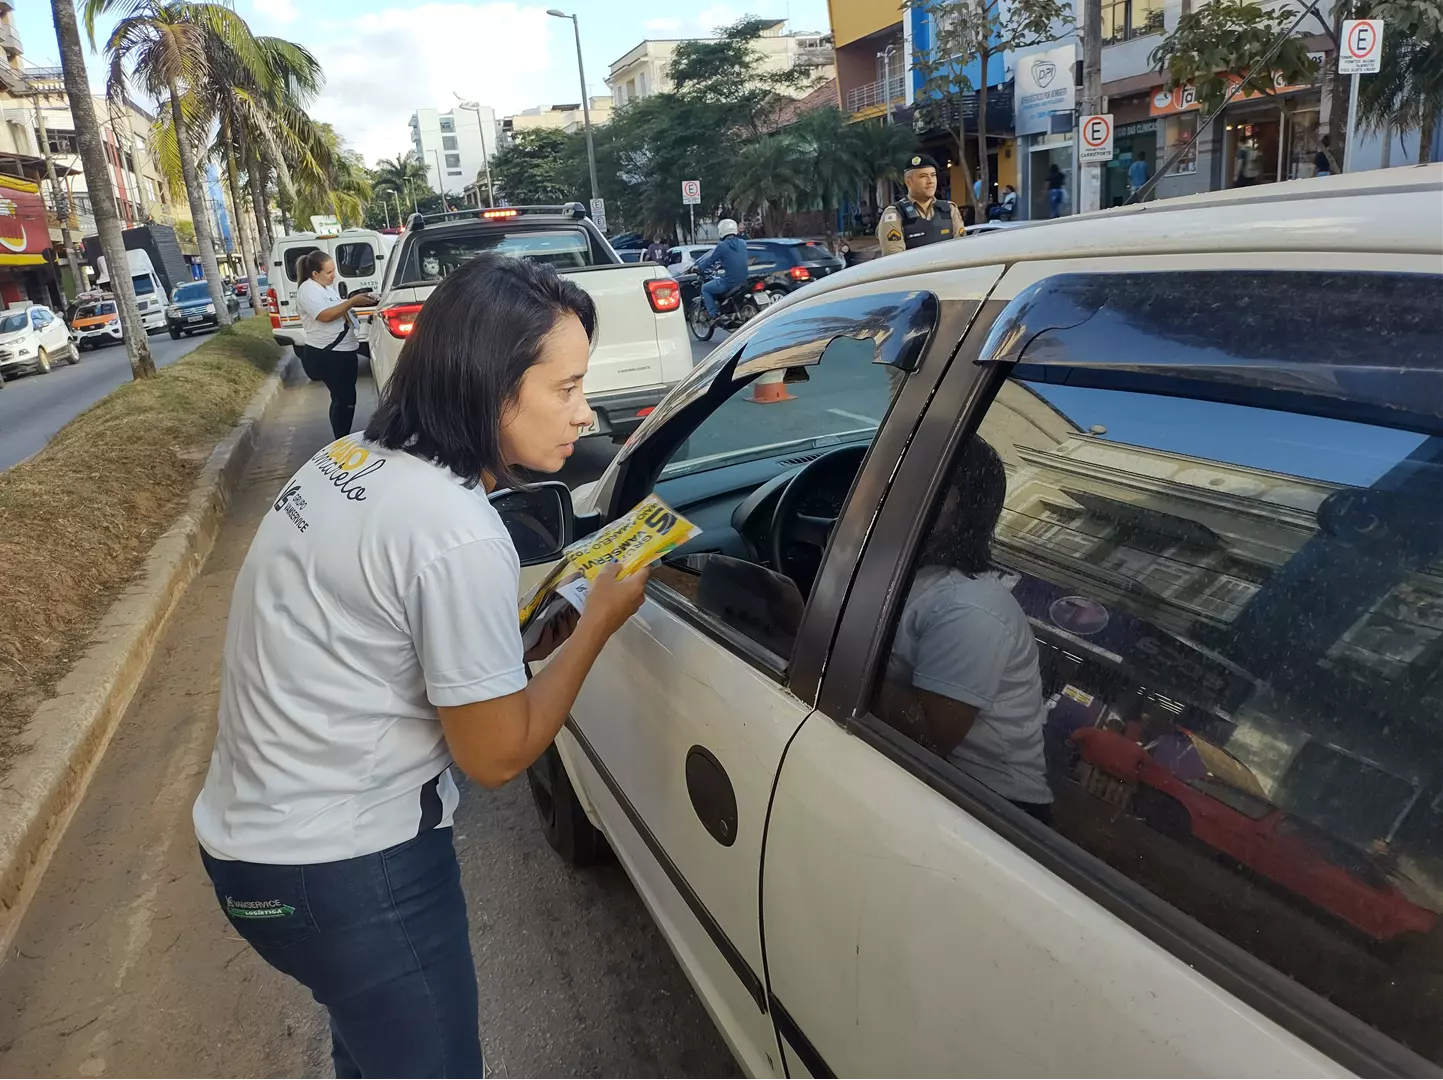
[{"x": 963, "y": 678}]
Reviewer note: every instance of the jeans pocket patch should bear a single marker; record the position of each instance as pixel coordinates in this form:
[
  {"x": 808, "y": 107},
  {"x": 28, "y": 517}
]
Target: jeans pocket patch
[{"x": 266, "y": 904}]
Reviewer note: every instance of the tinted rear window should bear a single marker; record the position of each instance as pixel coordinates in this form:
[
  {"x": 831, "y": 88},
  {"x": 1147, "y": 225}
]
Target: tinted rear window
[
  {"x": 431, "y": 257},
  {"x": 186, "y": 293},
  {"x": 814, "y": 252}
]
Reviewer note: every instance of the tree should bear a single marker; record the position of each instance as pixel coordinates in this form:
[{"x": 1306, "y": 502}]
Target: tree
[
  {"x": 977, "y": 31},
  {"x": 97, "y": 181},
  {"x": 881, "y": 148},
  {"x": 1226, "y": 42},
  {"x": 771, "y": 179},
  {"x": 531, "y": 169},
  {"x": 833, "y": 165},
  {"x": 166, "y": 44},
  {"x": 1407, "y": 94}
]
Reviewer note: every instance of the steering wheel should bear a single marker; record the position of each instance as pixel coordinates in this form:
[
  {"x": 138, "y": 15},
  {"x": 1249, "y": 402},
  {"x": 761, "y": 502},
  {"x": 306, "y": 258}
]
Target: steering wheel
[{"x": 791, "y": 526}]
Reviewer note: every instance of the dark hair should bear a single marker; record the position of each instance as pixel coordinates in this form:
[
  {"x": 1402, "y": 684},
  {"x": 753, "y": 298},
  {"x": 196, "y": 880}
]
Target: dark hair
[
  {"x": 312, "y": 263},
  {"x": 964, "y": 538},
  {"x": 463, "y": 362}
]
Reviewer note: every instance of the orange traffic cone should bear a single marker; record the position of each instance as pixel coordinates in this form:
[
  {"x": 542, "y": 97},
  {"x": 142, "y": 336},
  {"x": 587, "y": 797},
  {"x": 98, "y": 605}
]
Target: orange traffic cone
[{"x": 770, "y": 388}]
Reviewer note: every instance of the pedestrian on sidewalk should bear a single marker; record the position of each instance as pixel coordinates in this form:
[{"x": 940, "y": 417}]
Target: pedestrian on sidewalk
[
  {"x": 373, "y": 641},
  {"x": 331, "y": 349}
]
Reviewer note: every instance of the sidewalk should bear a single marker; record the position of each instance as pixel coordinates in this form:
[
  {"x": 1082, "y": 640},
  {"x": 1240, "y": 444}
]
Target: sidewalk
[{"x": 124, "y": 966}]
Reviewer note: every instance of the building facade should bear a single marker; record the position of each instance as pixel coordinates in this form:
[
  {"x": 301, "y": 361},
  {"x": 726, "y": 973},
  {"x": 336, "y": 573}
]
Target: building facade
[
  {"x": 646, "y": 69},
  {"x": 455, "y": 145},
  {"x": 569, "y": 118}
]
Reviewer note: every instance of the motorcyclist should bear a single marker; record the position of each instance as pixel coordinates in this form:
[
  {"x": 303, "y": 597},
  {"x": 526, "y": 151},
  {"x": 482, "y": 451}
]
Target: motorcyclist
[{"x": 730, "y": 254}]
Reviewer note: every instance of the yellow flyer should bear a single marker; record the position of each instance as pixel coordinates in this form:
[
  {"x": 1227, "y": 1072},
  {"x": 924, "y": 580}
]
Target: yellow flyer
[{"x": 634, "y": 540}]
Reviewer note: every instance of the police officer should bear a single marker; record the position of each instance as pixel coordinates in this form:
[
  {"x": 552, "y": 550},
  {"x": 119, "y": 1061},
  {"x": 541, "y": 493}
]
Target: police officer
[{"x": 921, "y": 218}]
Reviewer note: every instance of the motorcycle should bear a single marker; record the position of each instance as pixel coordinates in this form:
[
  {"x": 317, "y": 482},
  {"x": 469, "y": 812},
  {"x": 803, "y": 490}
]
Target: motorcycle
[{"x": 734, "y": 310}]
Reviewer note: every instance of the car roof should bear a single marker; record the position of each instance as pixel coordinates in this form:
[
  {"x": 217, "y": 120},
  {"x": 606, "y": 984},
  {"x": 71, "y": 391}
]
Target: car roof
[{"x": 1387, "y": 210}]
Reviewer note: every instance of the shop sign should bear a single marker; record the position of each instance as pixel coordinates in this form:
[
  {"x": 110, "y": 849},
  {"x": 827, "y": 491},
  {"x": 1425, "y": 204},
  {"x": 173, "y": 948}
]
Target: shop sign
[
  {"x": 24, "y": 229},
  {"x": 1043, "y": 86},
  {"x": 1183, "y": 98},
  {"x": 1138, "y": 127}
]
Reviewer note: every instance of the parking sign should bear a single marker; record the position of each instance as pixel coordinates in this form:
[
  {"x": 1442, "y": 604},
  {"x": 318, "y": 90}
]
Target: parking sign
[
  {"x": 691, "y": 192},
  {"x": 1362, "y": 51},
  {"x": 1096, "y": 138},
  {"x": 598, "y": 213}
]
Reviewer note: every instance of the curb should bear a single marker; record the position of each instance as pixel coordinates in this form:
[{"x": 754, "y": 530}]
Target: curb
[{"x": 71, "y": 730}]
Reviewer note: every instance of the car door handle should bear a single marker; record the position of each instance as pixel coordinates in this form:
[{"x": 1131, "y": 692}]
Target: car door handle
[{"x": 712, "y": 795}]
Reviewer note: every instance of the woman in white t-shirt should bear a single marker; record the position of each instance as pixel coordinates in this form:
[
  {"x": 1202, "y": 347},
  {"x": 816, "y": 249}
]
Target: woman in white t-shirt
[
  {"x": 331, "y": 347},
  {"x": 963, "y": 678},
  {"x": 372, "y": 642}
]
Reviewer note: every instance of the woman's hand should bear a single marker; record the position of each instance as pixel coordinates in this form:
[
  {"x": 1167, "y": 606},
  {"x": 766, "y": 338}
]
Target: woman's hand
[
  {"x": 611, "y": 601},
  {"x": 553, "y": 635},
  {"x": 361, "y": 299}
]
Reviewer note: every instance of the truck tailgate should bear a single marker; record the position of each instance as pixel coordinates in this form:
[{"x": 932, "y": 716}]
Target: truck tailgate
[{"x": 627, "y": 350}]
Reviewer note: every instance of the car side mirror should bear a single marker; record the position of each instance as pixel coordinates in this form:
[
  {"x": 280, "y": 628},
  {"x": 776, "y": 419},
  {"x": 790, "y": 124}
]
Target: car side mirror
[
  {"x": 540, "y": 520},
  {"x": 341, "y": 288}
]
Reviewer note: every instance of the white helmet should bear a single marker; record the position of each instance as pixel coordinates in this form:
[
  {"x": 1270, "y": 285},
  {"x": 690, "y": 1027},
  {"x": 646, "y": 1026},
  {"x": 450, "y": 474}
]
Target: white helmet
[{"x": 726, "y": 227}]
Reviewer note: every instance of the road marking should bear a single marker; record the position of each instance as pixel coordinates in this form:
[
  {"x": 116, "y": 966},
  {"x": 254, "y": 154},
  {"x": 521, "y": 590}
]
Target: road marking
[{"x": 854, "y": 416}]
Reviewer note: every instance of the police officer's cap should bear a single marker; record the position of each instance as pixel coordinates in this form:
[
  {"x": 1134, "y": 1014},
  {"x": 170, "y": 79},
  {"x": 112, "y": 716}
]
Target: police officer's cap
[{"x": 919, "y": 161}]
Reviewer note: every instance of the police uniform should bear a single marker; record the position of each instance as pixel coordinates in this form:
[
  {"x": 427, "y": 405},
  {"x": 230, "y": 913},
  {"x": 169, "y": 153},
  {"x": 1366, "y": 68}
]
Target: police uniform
[{"x": 904, "y": 226}]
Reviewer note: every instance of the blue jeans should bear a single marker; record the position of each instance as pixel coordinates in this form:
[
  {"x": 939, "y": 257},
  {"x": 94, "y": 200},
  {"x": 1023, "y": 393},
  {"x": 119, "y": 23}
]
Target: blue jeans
[
  {"x": 381, "y": 941},
  {"x": 710, "y": 290},
  {"x": 1054, "y": 200}
]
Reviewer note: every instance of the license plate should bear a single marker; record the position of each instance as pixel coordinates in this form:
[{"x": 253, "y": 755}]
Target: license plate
[
  {"x": 194, "y": 318},
  {"x": 762, "y": 298}
]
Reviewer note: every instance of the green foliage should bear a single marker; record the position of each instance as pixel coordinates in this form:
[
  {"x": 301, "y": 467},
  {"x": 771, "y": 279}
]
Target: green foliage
[
  {"x": 1226, "y": 40},
  {"x": 533, "y": 168},
  {"x": 1407, "y": 94}
]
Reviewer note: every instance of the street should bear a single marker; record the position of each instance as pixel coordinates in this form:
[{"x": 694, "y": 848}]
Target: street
[
  {"x": 124, "y": 965},
  {"x": 34, "y": 407}
]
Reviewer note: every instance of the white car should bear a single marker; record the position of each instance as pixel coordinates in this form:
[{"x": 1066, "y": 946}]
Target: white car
[
  {"x": 361, "y": 261},
  {"x": 641, "y": 347},
  {"x": 32, "y": 338},
  {"x": 1054, "y": 687}
]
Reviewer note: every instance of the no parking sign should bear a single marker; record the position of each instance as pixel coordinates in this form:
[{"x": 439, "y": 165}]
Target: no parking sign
[
  {"x": 1362, "y": 51},
  {"x": 1096, "y": 132}
]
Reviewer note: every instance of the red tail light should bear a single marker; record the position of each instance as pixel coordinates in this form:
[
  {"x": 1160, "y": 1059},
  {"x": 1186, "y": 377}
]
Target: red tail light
[
  {"x": 664, "y": 294},
  {"x": 400, "y": 319},
  {"x": 503, "y": 212},
  {"x": 800, "y": 273},
  {"x": 760, "y": 286},
  {"x": 273, "y": 304}
]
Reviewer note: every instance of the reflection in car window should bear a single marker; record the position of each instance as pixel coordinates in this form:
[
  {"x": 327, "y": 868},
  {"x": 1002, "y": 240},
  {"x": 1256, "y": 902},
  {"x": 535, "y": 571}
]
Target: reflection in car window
[
  {"x": 11, "y": 323},
  {"x": 186, "y": 294},
  {"x": 1206, "y": 638},
  {"x": 355, "y": 260}
]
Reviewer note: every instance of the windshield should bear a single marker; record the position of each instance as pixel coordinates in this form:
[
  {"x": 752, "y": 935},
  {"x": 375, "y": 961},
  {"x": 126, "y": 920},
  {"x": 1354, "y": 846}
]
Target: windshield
[
  {"x": 842, "y": 400},
  {"x": 11, "y": 323},
  {"x": 432, "y": 258},
  {"x": 188, "y": 293},
  {"x": 144, "y": 284},
  {"x": 90, "y": 311}
]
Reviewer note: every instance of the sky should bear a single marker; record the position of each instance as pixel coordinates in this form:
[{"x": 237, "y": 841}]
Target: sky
[{"x": 383, "y": 59}]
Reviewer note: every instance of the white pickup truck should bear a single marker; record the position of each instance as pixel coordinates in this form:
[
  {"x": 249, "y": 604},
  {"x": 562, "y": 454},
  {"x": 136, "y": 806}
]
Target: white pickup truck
[{"x": 641, "y": 345}]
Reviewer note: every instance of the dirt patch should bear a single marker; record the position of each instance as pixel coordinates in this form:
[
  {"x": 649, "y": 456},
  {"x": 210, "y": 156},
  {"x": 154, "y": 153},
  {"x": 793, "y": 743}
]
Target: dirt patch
[{"x": 77, "y": 519}]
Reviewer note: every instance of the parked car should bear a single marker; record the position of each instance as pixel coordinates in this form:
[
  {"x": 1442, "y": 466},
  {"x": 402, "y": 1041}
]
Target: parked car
[
  {"x": 32, "y": 338},
  {"x": 242, "y": 287},
  {"x": 681, "y": 258},
  {"x": 96, "y": 323},
  {"x": 632, "y": 255},
  {"x": 192, "y": 309},
  {"x": 641, "y": 347},
  {"x": 789, "y": 264},
  {"x": 1181, "y": 461}
]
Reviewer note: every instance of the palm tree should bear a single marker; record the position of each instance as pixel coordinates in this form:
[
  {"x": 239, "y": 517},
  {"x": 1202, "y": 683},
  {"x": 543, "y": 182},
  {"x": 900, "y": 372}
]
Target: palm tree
[
  {"x": 343, "y": 189},
  {"x": 166, "y": 45},
  {"x": 881, "y": 148},
  {"x": 97, "y": 180},
  {"x": 769, "y": 178},
  {"x": 834, "y": 164},
  {"x": 404, "y": 176},
  {"x": 1407, "y": 94}
]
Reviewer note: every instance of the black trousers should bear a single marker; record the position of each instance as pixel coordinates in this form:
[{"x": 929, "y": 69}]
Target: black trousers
[{"x": 338, "y": 371}]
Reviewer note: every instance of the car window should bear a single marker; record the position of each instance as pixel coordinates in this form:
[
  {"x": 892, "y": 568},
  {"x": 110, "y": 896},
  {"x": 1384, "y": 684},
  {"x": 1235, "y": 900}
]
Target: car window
[
  {"x": 144, "y": 284},
  {"x": 11, "y": 323},
  {"x": 355, "y": 259},
  {"x": 1200, "y": 632},
  {"x": 432, "y": 256},
  {"x": 292, "y": 258},
  {"x": 767, "y": 473},
  {"x": 764, "y": 257},
  {"x": 186, "y": 294},
  {"x": 40, "y": 317}
]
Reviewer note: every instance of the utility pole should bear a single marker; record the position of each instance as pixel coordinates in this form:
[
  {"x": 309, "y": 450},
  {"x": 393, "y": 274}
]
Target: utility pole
[
  {"x": 1088, "y": 178},
  {"x": 585, "y": 99},
  {"x": 475, "y": 106},
  {"x": 62, "y": 201}
]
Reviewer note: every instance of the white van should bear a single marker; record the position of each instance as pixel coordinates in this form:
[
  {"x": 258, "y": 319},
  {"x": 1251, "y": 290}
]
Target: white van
[
  {"x": 360, "y": 256},
  {"x": 150, "y": 292}
]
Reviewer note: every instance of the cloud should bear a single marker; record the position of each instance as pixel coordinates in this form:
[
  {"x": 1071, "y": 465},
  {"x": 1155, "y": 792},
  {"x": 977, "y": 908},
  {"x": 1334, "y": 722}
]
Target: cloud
[
  {"x": 382, "y": 66},
  {"x": 282, "y": 12}
]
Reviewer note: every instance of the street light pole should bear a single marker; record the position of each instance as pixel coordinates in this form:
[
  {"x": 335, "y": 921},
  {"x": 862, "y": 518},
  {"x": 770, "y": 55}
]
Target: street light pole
[
  {"x": 440, "y": 179},
  {"x": 485, "y": 157},
  {"x": 585, "y": 100}
]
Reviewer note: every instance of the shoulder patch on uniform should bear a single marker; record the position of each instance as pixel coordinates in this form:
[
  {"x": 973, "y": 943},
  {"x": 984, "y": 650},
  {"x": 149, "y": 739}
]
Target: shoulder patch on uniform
[{"x": 894, "y": 235}]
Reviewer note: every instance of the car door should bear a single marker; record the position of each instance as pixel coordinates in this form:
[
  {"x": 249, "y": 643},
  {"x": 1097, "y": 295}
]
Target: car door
[
  {"x": 678, "y": 731},
  {"x": 51, "y": 331},
  {"x": 360, "y": 265},
  {"x": 1213, "y": 536}
]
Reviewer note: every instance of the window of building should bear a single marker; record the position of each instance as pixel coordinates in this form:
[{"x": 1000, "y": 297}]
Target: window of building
[
  {"x": 1197, "y": 628},
  {"x": 1181, "y": 131},
  {"x": 448, "y": 123},
  {"x": 448, "y": 142},
  {"x": 454, "y": 172},
  {"x": 1126, "y": 19},
  {"x": 453, "y": 161},
  {"x": 60, "y": 140}
]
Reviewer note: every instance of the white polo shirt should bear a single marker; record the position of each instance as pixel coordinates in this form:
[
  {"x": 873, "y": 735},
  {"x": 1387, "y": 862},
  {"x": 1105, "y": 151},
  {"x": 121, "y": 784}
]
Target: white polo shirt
[
  {"x": 312, "y": 298},
  {"x": 967, "y": 638},
  {"x": 377, "y": 588}
]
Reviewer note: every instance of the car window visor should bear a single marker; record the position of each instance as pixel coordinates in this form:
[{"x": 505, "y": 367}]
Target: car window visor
[
  {"x": 896, "y": 324},
  {"x": 1358, "y": 346}
]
